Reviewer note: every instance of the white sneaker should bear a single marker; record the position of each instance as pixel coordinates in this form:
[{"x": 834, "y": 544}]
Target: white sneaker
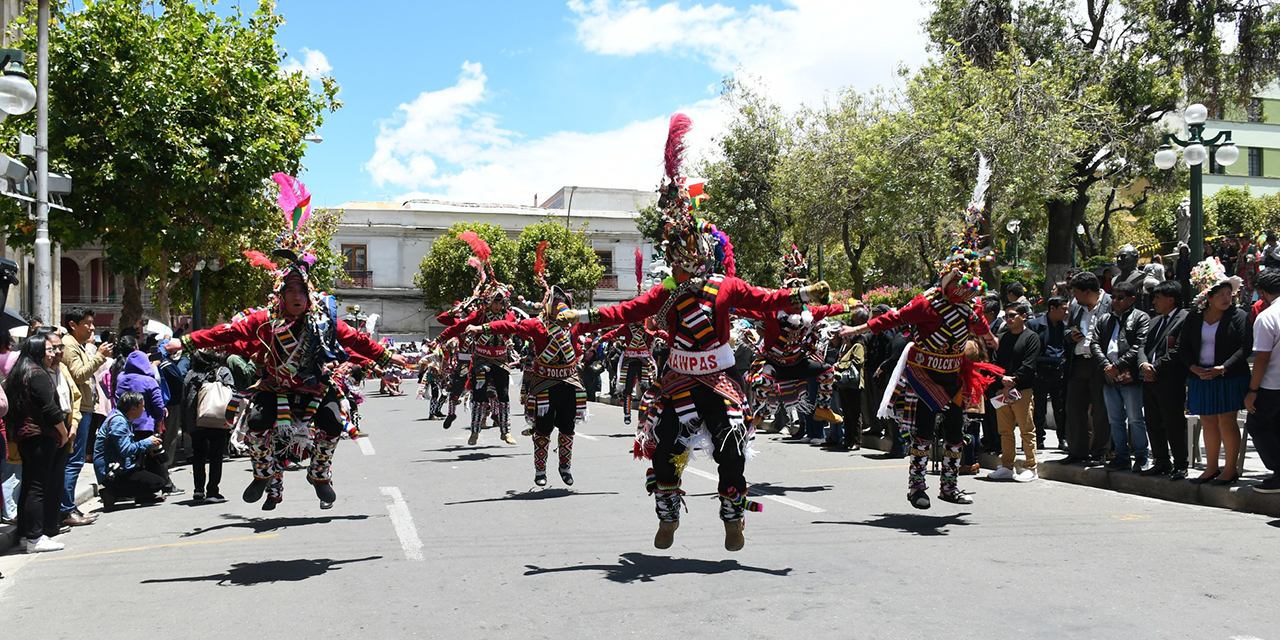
[
  {"x": 42, "y": 544},
  {"x": 1001, "y": 473},
  {"x": 1026, "y": 475}
]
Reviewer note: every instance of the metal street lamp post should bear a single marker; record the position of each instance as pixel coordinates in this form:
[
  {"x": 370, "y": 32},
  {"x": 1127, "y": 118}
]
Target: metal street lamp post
[
  {"x": 1197, "y": 151},
  {"x": 197, "y": 311},
  {"x": 1012, "y": 227}
]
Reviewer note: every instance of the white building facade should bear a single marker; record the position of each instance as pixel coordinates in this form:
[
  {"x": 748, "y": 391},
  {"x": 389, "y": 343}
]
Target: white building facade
[{"x": 384, "y": 244}]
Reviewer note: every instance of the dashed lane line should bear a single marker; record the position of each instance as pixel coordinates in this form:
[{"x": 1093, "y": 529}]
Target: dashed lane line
[
  {"x": 779, "y": 499},
  {"x": 54, "y": 558},
  {"x": 403, "y": 522},
  {"x": 366, "y": 447}
]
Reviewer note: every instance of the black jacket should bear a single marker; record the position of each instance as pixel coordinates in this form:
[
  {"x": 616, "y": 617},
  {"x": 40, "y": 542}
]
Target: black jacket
[
  {"x": 1133, "y": 334},
  {"x": 1232, "y": 344},
  {"x": 1162, "y": 348},
  {"x": 1017, "y": 355},
  {"x": 1073, "y": 320},
  {"x": 1051, "y": 361}
]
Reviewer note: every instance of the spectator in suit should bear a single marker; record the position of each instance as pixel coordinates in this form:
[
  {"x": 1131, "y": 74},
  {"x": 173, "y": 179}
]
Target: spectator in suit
[
  {"x": 1215, "y": 344},
  {"x": 1117, "y": 347},
  {"x": 1164, "y": 388},
  {"x": 1263, "y": 399},
  {"x": 1051, "y": 383},
  {"x": 1088, "y": 434}
]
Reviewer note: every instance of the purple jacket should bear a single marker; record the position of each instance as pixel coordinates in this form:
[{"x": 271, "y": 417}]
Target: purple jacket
[{"x": 138, "y": 375}]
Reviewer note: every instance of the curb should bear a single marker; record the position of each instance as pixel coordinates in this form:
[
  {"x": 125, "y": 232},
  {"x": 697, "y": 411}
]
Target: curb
[{"x": 86, "y": 489}]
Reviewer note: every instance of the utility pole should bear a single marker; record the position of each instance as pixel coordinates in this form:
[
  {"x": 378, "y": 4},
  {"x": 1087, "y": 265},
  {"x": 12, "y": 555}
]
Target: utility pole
[{"x": 44, "y": 270}]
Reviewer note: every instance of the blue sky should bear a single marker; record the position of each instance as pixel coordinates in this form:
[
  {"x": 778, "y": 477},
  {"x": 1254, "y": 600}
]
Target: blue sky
[{"x": 496, "y": 100}]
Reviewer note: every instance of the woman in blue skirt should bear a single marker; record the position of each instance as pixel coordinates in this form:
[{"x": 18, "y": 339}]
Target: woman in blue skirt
[{"x": 1215, "y": 343}]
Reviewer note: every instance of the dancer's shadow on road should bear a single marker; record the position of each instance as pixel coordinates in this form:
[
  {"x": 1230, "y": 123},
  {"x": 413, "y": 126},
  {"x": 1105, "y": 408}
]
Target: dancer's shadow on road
[
  {"x": 639, "y": 567},
  {"x": 454, "y": 448},
  {"x": 537, "y": 494},
  {"x": 247, "y": 574},
  {"x": 770, "y": 489},
  {"x": 263, "y": 525},
  {"x": 476, "y": 456},
  {"x": 918, "y": 524}
]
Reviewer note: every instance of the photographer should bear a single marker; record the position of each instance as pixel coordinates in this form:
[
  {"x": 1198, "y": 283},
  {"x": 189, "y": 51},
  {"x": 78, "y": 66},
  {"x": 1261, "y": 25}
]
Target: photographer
[
  {"x": 139, "y": 376},
  {"x": 118, "y": 458}
]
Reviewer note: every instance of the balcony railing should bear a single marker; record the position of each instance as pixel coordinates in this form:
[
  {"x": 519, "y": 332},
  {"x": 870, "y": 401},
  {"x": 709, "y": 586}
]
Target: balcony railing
[
  {"x": 357, "y": 280},
  {"x": 608, "y": 281}
]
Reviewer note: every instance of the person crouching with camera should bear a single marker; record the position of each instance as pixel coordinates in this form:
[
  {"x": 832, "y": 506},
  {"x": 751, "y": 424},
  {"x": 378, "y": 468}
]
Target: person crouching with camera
[{"x": 118, "y": 458}]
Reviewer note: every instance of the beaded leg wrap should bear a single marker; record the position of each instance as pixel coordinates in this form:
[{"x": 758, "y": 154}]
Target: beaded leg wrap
[
  {"x": 540, "y": 445},
  {"x": 261, "y": 454},
  {"x": 734, "y": 505},
  {"x": 626, "y": 405},
  {"x": 275, "y": 488},
  {"x": 950, "y": 467},
  {"x": 826, "y": 386},
  {"x": 321, "y": 468},
  {"x": 667, "y": 498},
  {"x": 453, "y": 405},
  {"x": 501, "y": 414},
  {"x": 479, "y": 412},
  {"x": 564, "y": 445},
  {"x": 919, "y": 463}
]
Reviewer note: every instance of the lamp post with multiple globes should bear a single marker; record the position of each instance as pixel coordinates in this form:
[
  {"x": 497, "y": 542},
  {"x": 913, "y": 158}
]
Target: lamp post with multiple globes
[{"x": 1195, "y": 152}]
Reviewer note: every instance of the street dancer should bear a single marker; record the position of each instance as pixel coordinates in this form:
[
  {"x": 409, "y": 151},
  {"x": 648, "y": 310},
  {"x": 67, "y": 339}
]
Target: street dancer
[
  {"x": 933, "y": 377},
  {"x": 555, "y": 397},
  {"x": 293, "y": 338},
  {"x": 787, "y": 359},
  {"x": 699, "y": 401},
  {"x": 490, "y": 367},
  {"x": 637, "y": 363}
]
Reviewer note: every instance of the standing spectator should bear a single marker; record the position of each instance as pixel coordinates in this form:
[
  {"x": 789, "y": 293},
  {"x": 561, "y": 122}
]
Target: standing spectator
[
  {"x": 37, "y": 423},
  {"x": 1017, "y": 355},
  {"x": 853, "y": 356},
  {"x": 208, "y": 441},
  {"x": 173, "y": 372},
  {"x": 1164, "y": 389},
  {"x": 1089, "y": 437},
  {"x": 1263, "y": 399},
  {"x": 81, "y": 365},
  {"x": 1117, "y": 348},
  {"x": 1182, "y": 271},
  {"x": 879, "y": 346},
  {"x": 1215, "y": 344},
  {"x": 1270, "y": 252},
  {"x": 1015, "y": 292},
  {"x": 10, "y": 463},
  {"x": 117, "y": 456},
  {"x": 1051, "y": 384}
]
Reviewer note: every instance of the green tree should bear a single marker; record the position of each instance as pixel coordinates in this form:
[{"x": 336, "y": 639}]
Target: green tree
[
  {"x": 571, "y": 262},
  {"x": 1132, "y": 62},
  {"x": 444, "y": 275},
  {"x": 171, "y": 123}
]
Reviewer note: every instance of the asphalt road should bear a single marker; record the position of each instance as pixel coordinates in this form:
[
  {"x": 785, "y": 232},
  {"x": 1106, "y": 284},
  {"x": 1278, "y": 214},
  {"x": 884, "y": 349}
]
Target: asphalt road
[{"x": 431, "y": 538}]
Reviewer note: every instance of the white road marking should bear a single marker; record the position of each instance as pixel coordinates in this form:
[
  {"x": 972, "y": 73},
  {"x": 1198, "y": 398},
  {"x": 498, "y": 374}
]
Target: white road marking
[
  {"x": 586, "y": 437},
  {"x": 403, "y": 523},
  {"x": 779, "y": 499},
  {"x": 366, "y": 447}
]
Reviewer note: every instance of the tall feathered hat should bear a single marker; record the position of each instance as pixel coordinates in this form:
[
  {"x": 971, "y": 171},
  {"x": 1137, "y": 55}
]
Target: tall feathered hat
[
  {"x": 487, "y": 288},
  {"x": 963, "y": 265},
  {"x": 688, "y": 241},
  {"x": 292, "y": 257},
  {"x": 797, "y": 268},
  {"x": 555, "y": 298}
]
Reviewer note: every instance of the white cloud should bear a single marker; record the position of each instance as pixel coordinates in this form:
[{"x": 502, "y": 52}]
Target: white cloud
[
  {"x": 314, "y": 64},
  {"x": 800, "y": 52},
  {"x": 443, "y": 145}
]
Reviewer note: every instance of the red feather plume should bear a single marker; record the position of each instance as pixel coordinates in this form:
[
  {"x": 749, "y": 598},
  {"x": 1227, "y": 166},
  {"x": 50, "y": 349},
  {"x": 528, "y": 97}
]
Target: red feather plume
[
  {"x": 680, "y": 125},
  {"x": 639, "y": 269},
  {"x": 258, "y": 259},
  {"x": 478, "y": 246},
  {"x": 540, "y": 264}
]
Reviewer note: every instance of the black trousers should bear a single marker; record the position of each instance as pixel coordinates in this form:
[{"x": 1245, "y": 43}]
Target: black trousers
[
  {"x": 1163, "y": 405},
  {"x": 710, "y": 406},
  {"x": 497, "y": 383},
  {"x": 153, "y": 464},
  {"x": 208, "y": 445},
  {"x": 1050, "y": 389},
  {"x": 40, "y": 499},
  {"x": 851, "y": 408},
  {"x": 952, "y": 423},
  {"x": 1087, "y": 437},
  {"x": 136, "y": 483},
  {"x": 563, "y": 411},
  {"x": 632, "y": 367},
  {"x": 1264, "y": 428},
  {"x": 328, "y": 418}
]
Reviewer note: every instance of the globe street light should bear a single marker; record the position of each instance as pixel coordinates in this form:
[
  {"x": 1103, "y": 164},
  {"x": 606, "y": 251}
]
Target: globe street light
[
  {"x": 1196, "y": 152},
  {"x": 17, "y": 95}
]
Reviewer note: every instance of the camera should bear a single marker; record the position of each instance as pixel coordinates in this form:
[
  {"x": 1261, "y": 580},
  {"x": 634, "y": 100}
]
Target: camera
[{"x": 158, "y": 450}]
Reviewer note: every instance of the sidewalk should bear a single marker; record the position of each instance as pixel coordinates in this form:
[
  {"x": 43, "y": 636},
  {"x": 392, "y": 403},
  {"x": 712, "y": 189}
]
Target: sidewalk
[{"x": 86, "y": 487}]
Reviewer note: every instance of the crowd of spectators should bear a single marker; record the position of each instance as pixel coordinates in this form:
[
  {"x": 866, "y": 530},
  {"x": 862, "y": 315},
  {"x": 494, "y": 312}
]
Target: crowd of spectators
[{"x": 73, "y": 397}]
